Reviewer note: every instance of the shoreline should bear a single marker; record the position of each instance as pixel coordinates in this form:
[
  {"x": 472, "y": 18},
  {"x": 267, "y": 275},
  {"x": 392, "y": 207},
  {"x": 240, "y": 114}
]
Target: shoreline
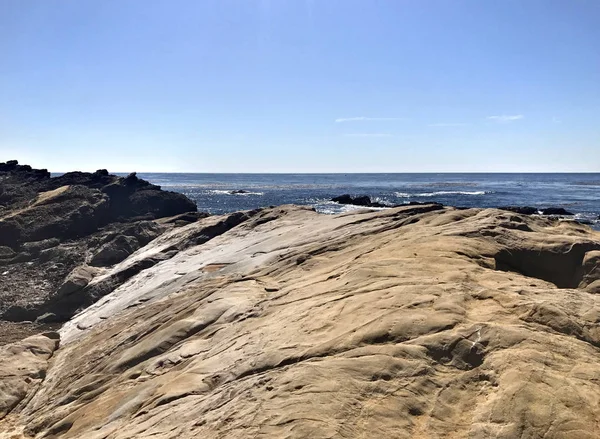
[{"x": 288, "y": 322}]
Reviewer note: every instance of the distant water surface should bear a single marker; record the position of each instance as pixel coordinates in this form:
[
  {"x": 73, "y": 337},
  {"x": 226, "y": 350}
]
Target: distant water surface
[{"x": 578, "y": 193}]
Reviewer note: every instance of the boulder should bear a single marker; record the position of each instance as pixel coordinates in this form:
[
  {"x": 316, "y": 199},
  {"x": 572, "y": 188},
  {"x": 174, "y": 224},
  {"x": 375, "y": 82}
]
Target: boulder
[
  {"x": 20, "y": 313},
  {"x": 36, "y": 247},
  {"x": 10, "y": 232},
  {"x": 6, "y": 252},
  {"x": 143, "y": 231},
  {"x": 77, "y": 280},
  {"x": 59, "y": 253},
  {"x": 115, "y": 251}
]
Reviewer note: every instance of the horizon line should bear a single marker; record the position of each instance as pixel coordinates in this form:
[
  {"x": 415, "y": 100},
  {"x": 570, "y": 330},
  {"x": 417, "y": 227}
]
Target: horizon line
[{"x": 340, "y": 172}]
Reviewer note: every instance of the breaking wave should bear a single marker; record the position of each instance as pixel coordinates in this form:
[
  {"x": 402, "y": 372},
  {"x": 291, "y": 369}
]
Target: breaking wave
[
  {"x": 234, "y": 192},
  {"x": 439, "y": 193}
]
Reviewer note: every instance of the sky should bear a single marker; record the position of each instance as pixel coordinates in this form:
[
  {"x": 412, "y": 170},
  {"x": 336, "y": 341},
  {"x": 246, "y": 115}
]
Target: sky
[{"x": 301, "y": 85}]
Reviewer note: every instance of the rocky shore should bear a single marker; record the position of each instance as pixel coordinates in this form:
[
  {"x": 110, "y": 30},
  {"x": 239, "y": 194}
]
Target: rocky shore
[
  {"x": 365, "y": 201},
  {"x": 57, "y": 233},
  {"x": 133, "y": 315}
]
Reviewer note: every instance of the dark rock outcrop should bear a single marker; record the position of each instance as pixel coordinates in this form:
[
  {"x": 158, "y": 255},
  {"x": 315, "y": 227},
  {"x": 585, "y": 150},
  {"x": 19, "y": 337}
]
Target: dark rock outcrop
[
  {"x": 528, "y": 210},
  {"x": 38, "y": 206},
  {"x": 365, "y": 201},
  {"x": 50, "y": 226},
  {"x": 115, "y": 251},
  {"x": 555, "y": 211},
  {"x": 524, "y": 210},
  {"x": 362, "y": 200}
]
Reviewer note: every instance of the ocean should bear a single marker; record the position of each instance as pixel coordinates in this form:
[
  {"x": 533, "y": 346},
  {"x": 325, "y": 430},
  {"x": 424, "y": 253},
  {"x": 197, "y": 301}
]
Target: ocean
[{"x": 215, "y": 193}]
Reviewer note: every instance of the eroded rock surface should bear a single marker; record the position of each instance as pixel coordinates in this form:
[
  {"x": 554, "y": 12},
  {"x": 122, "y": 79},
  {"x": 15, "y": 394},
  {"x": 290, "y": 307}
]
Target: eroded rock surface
[
  {"x": 414, "y": 322},
  {"x": 49, "y": 226}
]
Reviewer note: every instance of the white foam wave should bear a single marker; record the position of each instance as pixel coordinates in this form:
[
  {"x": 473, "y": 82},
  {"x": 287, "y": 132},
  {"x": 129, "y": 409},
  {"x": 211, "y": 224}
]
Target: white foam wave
[
  {"x": 233, "y": 192},
  {"x": 332, "y": 207},
  {"x": 438, "y": 193}
]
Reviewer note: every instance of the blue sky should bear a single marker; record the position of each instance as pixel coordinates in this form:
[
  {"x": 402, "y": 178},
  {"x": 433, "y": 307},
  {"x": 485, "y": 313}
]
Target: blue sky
[{"x": 301, "y": 86}]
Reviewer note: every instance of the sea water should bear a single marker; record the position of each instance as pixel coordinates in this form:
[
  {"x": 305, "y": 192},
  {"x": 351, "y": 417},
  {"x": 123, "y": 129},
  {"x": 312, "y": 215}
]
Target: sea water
[{"x": 216, "y": 193}]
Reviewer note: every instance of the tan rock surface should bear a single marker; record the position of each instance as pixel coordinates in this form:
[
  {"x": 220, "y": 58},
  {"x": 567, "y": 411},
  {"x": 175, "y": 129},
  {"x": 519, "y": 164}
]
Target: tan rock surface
[{"x": 416, "y": 322}]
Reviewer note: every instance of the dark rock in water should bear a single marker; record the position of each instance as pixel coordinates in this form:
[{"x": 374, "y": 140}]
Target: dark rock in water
[
  {"x": 524, "y": 210},
  {"x": 358, "y": 201},
  {"x": 528, "y": 210},
  {"x": 365, "y": 201},
  {"x": 555, "y": 211},
  {"x": 343, "y": 199},
  {"x": 362, "y": 201},
  {"x": 238, "y": 191}
]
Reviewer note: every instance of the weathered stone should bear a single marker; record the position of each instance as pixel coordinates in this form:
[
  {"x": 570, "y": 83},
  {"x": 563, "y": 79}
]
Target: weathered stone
[
  {"x": 416, "y": 322},
  {"x": 115, "y": 251},
  {"x": 23, "y": 366},
  {"x": 51, "y": 225},
  {"x": 77, "y": 280},
  {"x": 6, "y": 252}
]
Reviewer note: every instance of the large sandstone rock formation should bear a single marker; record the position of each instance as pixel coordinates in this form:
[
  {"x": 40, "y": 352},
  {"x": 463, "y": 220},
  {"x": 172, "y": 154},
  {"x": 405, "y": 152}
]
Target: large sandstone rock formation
[{"x": 415, "y": 322}]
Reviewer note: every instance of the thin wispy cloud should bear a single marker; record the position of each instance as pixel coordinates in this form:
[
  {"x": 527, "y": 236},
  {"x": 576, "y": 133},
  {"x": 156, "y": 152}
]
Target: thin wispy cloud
[
  {"x": 506, "y": 118},
  {"x": 449, "y": 124},
  {"x": 364, "y": 118},
  {"x": 556, "y": 120},
  {"x": 368, "y": 135}
]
